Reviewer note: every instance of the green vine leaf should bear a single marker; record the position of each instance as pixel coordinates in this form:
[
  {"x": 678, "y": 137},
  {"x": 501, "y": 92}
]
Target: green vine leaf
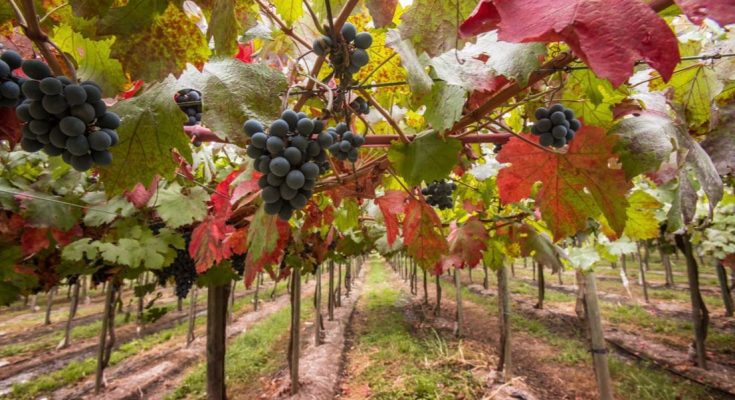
[
  {"x": 177, "y": 208},
  {"x": 428, "y": 158}
]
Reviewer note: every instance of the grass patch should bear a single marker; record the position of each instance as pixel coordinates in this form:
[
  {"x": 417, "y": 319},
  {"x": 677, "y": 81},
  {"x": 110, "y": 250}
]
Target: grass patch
[{"x": 397, "y": 364}]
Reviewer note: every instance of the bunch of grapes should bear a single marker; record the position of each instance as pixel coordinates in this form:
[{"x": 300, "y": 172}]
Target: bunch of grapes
[
  {"x": 10, "y": 93},
  {"x": 360, "y": 106},
  {"x": 290, "y": 156},
  {"x": 556, "y": 126},
  {"x": 65, "y": 118},
  {"x": 238, "y": 263},
  {"x": 346, "y": 143},
  {"x": 357, "y": 45},
  {"x": 439, "y": 194},
  {"x": 190, "y": 102},
  {"x": 183, "y": 270}
]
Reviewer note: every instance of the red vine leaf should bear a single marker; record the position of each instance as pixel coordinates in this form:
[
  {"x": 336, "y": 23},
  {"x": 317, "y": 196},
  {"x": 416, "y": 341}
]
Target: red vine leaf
[
  {"x": 140, "y": 195},
  {"x": 466, "y": 244},
  {"x": 575, "y": 185},
  {"x": 245, "y": 52},
  {"x": 265, "y": 244},
  {"x": 722, "y": 11},
  {"x": 206, "y": 247},
  {"x": 422, "y": 233},
  {"x": 609, "y": 36},
  {"x": 9, "y": 126},
  {"x": 392, "y": 204}
]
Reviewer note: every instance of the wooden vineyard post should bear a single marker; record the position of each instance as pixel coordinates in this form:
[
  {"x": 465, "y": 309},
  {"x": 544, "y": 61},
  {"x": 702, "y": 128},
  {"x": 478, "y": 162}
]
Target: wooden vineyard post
[
  {"x": 49, "y": 305},
  {"x": 72, "y": 313},
  {"x": 231, "y": 301},
  {"x": 485, "y": 279},
  {"x": 533, "y": 271},
  {"x": 623, "y": 264},
  {"x": 724, "y": 288},
  {"x": 505, "y": 363},
  {"x": 700, "y": 315},
  {"x": 257, "y": 290},
  {"x": 338, "y": 295},
  {"x": 179, "y": 304},
  {"x": 438, "y": 307},
  {"x": 330, "y": 295},
  {"x": 105, "y": 345},
  {"x": 642, "y": 274},
  {"x": 217, "y": 297},
  {"x": 348, "y": 277},
  {"x": 597, "y": 338},
  {"x": 458, "y": 299},
  {"x": 541, "y": 287},
  {"x": 319, "y": 322},
  {"x": 192, "y": 315},
  {"x": 469, "y": 272},
  {"x": 294, "y": 346},
  {"x": 426, "y": 286}
]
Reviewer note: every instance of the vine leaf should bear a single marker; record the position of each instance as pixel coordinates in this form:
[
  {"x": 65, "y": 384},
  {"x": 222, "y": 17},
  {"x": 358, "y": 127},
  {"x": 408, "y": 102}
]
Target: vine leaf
[
  {"x": 206, "y": 242},
  {"x": 538, "y": 245},
  {"x": 466, "y": 244},
  {"x": 133, "y": 17},
  {"x": 289, "y": 10},
  {"x": 105, "y": 211},
  {"x": 43, "y": 210},
  {"x": 382, "y": 11},
  {"x": 642, "y": 222},
  {"x": 93, "y": 59},
  {"x": 431, "y": 25},
  {"x": 90, "y": 8},
  {"x": 596, "y": 96},
  {"x": 177, "y": 208},
  {"x": 444, "y": 105},
  {"x": 422, "y": 234},
  {"x": 234, "y": 92},
  {"x": 720, "y": 143},
  {"x": 151, "y": 127},
  {"x": 140, "y": 195},
  {"x": 695, "y": 88},
  {"x": 10, "y": 126},
  {"x": 428, "y": 158},
  {"x": 575, "y": 186},
  {"x": 418, "y": 79},
  {"x": 391, "y": 205},
  {"x": 645, "y": 142},
  {"x": 266, "y": 244},
  {"x": 224, "y": 28},
  {"x": 721, "y": 11},
  {"x": 609, "y": 36}
]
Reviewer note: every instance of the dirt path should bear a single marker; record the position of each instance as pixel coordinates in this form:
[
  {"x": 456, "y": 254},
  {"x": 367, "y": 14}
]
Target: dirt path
[
  {"x": 44, "y": 362},
  {"x": 152, "y": 374}
]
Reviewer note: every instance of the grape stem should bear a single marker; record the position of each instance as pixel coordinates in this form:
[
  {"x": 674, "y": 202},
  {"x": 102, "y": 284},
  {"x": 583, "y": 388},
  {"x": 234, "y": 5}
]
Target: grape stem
[
  {"x": 288, "y": 31},
  {"x": 313, "y": 17},
  {"x": 385, "y": 115}
]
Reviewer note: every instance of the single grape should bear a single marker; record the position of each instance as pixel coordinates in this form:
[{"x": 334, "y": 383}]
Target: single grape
[
  {"x": 274, "y": 145},
  {"x": 263, "y": 162},
  {"x": 295, "y": 179},
  {"x": 298, "y": 202},
  {"x": 66, "y": 156},
  {"x": 569, "y": 114},
  {"x": 313, "y": 149},
  {"x": 94, "y": 94},
  {"x": 280, "y": 166},
  {"x": 291, "y": 118},
  {"x": 77, "y": 145},
  {"x": 570, "y": 135},
  {"x": 273, "y": 208},
  {"x": 57, "y": 138},
  {"x": 52, "y": 150},
  {"x": 559, "y": 132},
  {"x": 263, "y": 182},
  {"x": 345, "y": 146},
  {"x": 305, "y": 126},
  {"x": 43, "y": 138},
  {"x": 10, "y": 90},
  {"x": 287, "y": 193},
  {"x": 543, "y": 125},
  {"x": 318, "y": 48},
  {"x": 352, "y": 155},
  {"x": 51, "y": 86},
  {"x": 293, "y": 155},
  {"x": 556, "y": 108},
  {"x": 358, "y": 140},
  {"x": 37, "y": 111},
  {"x": 310, "y": 170},
  {"x": 23, "y": 113},
  {"x": 363, "y": 40},
  {"x": 54, "y": 104},
  {"x": 75, "y": 95},
  {"x": 271, "y": 194},
  {"x": 36, "y": 69},
  {"x": 559, "y": 143},
  {"x": 30, "y": 145},
  {"x": 308, "y": 185},
  {"x": 318, "y": 125},
  {"x": 100, "y": 108},
  {"x": 349, "y": 31},
  {"x": 300, "y": 143},
  {"x": 575, "y": 124},
  {"x": 102, "y": 158},
  {"x": 359, "y": 58},
  {"x": 259, "y": 140},
  {"x": 13, "y": 59},
  {"x": 341, "y": 128},
  {"x": 541, "y": 113},
  {"x": 32, "y": 90},
  {"x": 82, "y": 163},
  {"x": 109, "y": 120},
  {"x": 279, "y": 128},
  {"x": 275, "y": 180},
  {"x": 547, "y": 139},
  {"x": 557, "y": 118},
  {"x": 114, "y": 138},
  {"x": 285, "y": 212},
  {"x": 325, "y": 140},
  {"x": 252, "y": 127},
  {"x": 72, "y": 126},
  {"x": 99, "y": 141}
]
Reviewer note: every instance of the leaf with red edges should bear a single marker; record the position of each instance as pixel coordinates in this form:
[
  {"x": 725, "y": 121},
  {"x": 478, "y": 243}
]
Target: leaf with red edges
[
  {"x": 244, "y": 188},
  {"x": 221, "y": 197},
  {"x": 422, "y": 233},
  {"x": 237, "y": 241},
  {"x": 610, "y": 36},
  {"x": 722, "y": 11},
  {"x": 245, "y": 52},
  {"x": 140, "y": 195},
  {"x": 34, "y": 240},
  {"x": 575, "y": 186},
  {"x": 206, "y": 247},
  {"x": 467, "y": 242},
  {"x": 267, "y": 240},
  {"x": 391, "y": 204}
]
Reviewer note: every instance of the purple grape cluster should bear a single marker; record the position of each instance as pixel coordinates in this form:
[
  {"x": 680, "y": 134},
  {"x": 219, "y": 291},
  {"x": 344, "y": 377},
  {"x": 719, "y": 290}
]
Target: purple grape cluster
[{"x": 555, "y": 126}]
